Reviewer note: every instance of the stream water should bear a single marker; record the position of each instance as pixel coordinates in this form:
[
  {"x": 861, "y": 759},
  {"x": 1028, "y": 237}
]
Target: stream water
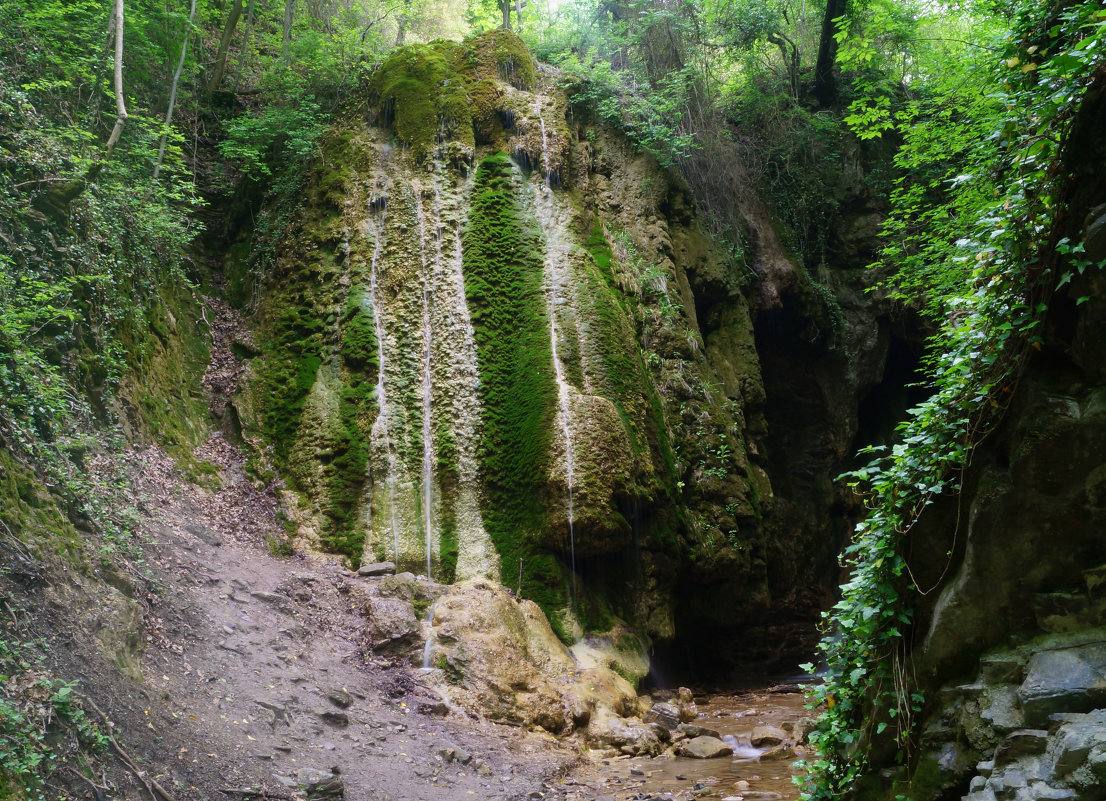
[{"x": 751, "y": 774}]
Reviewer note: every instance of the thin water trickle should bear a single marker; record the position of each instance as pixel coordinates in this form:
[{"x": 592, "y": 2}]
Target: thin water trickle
[
  {"x": 544, "y": 140},
  {"x": 555, "y": 263},
  {"x": 381, "y": 395},
  {"x": 427, "y": 384},
  {"x": 429, "y": 639}
]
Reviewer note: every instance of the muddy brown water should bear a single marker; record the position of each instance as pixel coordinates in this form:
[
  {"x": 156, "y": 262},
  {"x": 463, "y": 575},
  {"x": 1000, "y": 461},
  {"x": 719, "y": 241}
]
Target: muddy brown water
[{"x": 745, "y": 775}]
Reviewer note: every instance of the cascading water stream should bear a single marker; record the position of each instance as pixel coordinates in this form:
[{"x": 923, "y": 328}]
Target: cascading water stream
[
  {"x": 555, "y": 260},
  {"x": 427, "y": 383},
  {"x": 381, "y": 395}
]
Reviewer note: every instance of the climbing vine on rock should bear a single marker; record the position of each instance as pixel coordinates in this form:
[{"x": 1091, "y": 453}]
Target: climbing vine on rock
[{"x": 1007, "y": 247}]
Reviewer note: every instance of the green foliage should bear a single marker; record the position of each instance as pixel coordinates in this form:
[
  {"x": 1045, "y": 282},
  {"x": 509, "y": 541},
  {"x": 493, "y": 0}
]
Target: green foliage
[
  {"x": 34, "y": 707},
  {"x": 994, "y": 313},
  {"x": 649, "y": 113}
]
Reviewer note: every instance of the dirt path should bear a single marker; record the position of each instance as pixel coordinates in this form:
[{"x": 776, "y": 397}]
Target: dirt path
[
  {"x": 258, "y": 680},
  {"x": 262, "y": 661}
]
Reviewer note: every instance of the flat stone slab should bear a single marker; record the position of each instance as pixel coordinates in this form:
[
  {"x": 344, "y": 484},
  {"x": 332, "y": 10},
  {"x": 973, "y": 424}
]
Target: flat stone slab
[{"x": 377, "y": 569}]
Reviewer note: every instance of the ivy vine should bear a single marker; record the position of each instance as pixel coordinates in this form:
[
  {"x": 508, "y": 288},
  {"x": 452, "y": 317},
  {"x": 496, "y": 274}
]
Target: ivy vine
[{"x": 1009, "y": 261}]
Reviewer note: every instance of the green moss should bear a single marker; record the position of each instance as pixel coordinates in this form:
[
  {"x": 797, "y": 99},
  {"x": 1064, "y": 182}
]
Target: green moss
[
  {"x": 503, "y": 266},
  {"x": 32, "y": 515},
  {"x": 358, "y": 346},
  {"x": 486, "y": 107},
  {"x": 167, "y": 353},
  {"x": 423, "y": 95},
  {"x": 502, "y": 54},
  {"x": 449, "y": 476}
]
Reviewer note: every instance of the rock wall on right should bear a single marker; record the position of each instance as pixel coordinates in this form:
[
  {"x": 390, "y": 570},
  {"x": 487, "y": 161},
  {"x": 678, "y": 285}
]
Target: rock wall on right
[{"x": 1009, "y": 643}]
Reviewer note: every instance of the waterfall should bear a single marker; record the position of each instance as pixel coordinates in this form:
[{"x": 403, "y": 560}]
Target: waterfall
[
  {"x": 427, "y": 383},
  {"x": 557, "y": 273},
  {"x": 380, "y": 428}
]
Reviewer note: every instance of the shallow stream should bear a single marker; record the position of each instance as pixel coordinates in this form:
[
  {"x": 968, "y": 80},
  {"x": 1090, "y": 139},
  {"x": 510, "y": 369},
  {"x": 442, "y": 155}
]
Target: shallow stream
[{"x": 750, "y": 774}]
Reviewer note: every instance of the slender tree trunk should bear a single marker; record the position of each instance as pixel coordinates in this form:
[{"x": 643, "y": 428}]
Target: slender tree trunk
[
  {"x": 289, "y": 16},
  {"x": 505, "y": 7},
  {"x": 224, "y": 46},
  {"x": 245, "y": 43},
  {"x": 518, "y": 14},
  {"x": 173, "y": 89},
  {"x": 120, "y": 105},
  {"x": 825, "y": 85}
]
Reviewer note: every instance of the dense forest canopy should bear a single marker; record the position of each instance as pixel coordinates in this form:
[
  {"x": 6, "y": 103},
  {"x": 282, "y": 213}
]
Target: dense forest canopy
[{"x": 122, "y": 124}]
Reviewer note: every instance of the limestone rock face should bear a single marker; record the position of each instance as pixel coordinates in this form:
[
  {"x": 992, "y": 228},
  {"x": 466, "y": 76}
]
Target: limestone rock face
[
  {"x": 497, "y": 657},
  {"x": 481, "y": 355}
]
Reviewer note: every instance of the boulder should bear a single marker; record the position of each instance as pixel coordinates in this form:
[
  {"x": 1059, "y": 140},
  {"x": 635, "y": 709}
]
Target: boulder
[
  {"x": 767, "y": 736},
  {"x": 1067, "y": 680},
  {"x": 377, "y": 569},
  {"x": 692, "y": 731},
  {"x": 685, "y": 705},
  {"x": 665, "y": 714},
  {"x": 392, "y": 623},
  {"x": 705, "y": 748},
  {"x": 628, "y": 736}
]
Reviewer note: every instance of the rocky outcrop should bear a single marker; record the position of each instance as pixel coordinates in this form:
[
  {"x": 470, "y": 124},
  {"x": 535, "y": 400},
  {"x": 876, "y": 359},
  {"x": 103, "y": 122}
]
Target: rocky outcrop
[{"x": 508, "y": 349}]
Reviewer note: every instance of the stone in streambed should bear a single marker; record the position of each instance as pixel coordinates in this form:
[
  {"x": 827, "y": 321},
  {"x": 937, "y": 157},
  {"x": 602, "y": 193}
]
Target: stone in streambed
[
  {"x": 665, "y": 714},
  {"x": 767, "y": 736},
  {"x": 705, "y": 748},
  {"x": 692, "y": 731},
  {"x": 377, "y": 569}
]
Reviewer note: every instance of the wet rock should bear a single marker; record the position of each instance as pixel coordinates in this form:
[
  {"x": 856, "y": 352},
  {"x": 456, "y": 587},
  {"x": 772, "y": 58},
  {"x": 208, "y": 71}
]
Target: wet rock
[
  {"x": 628, "y": 736},
  {"x": 665, "y": 714},
  {"x": 705, "y": 748},
  {"x": 1024, "y": 742},
  {"x": 767, "y": 736},
  {"x": 692, "y": 730},
  {"x": 782, "y": 751},
  {"x": 377, "y": 569}
]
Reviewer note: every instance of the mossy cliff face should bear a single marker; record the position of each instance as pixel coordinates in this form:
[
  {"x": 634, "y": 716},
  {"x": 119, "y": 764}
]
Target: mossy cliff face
[{"x": 481, "y": 353}]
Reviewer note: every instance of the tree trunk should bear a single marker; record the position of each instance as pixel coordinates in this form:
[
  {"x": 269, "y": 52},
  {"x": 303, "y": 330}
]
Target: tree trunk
[
  {"x": 289, "y": 16},
  {"x": 518, "y": 14},
  {"x": 224, "y": 45},
  {"x": 790, "y": 54},
  {"x": 245, "y": 43},
  {"x": 825, "y": 85},
  {"x": 173, "y": 89},
  {"x": 505, "y": 7},
  {"x": 120, "y": 105}
]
